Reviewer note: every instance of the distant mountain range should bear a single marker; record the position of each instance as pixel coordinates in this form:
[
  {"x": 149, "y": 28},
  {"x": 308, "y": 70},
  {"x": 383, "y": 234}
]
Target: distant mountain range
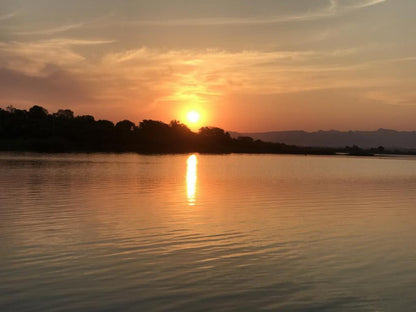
[{"x": 364, "y": 139}]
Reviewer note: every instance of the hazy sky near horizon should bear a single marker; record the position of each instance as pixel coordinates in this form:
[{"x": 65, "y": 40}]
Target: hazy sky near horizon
[{"x": 247, "y": 65}]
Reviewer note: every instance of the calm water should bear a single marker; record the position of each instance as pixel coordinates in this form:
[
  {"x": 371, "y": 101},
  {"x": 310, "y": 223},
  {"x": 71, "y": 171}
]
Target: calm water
[{"x": 207, "y": 233}]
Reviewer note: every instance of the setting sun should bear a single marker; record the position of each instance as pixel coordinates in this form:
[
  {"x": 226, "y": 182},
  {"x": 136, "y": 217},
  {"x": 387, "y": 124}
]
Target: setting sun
[{"x": 193, "y": 116}]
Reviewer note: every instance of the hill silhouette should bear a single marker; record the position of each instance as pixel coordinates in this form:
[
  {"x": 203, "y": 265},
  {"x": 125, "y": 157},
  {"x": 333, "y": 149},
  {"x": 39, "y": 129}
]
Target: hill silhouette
[{"x": 390, "y": 139}]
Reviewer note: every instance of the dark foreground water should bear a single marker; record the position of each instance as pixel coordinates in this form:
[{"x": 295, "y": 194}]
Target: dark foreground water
[{"x": 207, "y": 233}]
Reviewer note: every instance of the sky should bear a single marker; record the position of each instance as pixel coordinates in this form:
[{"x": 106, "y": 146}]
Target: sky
[{"x": 245, "y": 65}]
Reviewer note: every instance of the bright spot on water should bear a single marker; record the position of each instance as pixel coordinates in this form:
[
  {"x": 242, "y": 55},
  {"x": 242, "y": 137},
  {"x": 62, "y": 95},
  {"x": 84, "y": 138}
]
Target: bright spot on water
[{"x": 191, "y": 177}]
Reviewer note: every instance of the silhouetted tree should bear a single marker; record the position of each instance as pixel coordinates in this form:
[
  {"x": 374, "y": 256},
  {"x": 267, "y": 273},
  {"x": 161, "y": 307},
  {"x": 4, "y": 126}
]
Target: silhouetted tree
[
  {"x": 63, "y": 132},
  {"x": 125, "y": 126},
  {"x": 38, "y": 112},
  {"x": 10, "y": 109},
  {"x": 153, "y": 126},
  {"x": 105, "y": 124},
  {"x": 65, "y": 113},
  {"x": 86, "y": 119},
  {"x": 214, "y": 139}
]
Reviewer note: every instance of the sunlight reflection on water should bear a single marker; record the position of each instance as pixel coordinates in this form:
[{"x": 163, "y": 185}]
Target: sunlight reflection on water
[{"x": 191, "y": 178}]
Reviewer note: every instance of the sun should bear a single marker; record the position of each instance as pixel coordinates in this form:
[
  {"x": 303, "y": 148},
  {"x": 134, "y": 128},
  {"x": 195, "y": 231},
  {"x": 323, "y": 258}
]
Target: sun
[{"x": 193, "y": 117}]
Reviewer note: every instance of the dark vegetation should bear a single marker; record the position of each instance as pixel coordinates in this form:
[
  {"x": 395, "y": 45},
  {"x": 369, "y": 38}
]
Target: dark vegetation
[{"x": 37, "y": 130}]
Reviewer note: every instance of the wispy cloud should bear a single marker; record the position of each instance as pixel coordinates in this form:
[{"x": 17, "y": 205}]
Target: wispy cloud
[
  {"x": 367, "y": 3},
  {"x": 192, "y": 76},
  {"x": 332, "y": 9},
  {"x": 57, "y": 29},
  {"x": 153, "y": 78},
  {"x": 32, "y": 57},
  {"x": 50, "y": 31},
  {"x": 8, "y": 16},
  {"x": 203, "y": 72}
]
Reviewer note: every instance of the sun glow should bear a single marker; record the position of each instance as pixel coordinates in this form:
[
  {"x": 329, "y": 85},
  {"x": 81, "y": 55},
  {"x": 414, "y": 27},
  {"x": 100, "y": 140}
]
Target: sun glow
[{"x": 193, "y": 117}]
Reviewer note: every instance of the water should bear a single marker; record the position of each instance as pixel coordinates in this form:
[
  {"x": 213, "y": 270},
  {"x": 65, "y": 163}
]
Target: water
[{"x": 98, "y": 232}]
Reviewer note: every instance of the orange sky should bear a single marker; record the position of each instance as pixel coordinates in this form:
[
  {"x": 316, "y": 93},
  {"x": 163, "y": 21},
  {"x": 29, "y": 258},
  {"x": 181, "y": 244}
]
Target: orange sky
[{"x": 245, "y": 65}]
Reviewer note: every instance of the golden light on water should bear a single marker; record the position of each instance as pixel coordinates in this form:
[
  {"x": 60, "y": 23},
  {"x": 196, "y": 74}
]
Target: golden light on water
[{"x": 191, "y": 178}]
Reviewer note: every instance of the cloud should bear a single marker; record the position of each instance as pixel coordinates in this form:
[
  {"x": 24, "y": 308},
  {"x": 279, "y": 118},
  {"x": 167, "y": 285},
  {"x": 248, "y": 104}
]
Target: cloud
[
  {"x": 58, "y": 87},
  {"x": 145, "y": 79},
  {"x": 333, "y": 9},
  {"x": 61, "y": 28},
  {"x": 191, "y": 76},
  {"x": 204, "y": 73},
  {"x": 361, "y": 4},
  {"x": 50, "y": 31},
  {"x": 32, "y": 57},
  {"x": 8, "y": 16}
]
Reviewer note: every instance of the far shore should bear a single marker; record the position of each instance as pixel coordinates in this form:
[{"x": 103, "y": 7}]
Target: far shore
[{"x": 36, "y": 130}]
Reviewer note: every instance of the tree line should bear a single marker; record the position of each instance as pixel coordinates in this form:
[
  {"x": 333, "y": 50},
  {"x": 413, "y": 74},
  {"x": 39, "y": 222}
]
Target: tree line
[{"x": 38, "y": 130}]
